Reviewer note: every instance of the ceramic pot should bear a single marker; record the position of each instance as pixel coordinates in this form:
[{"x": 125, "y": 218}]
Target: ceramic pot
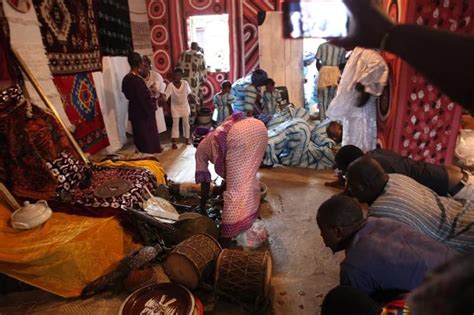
[{"x": 31, "y": 215}]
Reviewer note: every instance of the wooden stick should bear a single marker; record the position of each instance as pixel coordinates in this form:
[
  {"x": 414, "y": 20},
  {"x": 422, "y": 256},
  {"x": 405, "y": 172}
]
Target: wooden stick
[{"x": 50, "y": 106}]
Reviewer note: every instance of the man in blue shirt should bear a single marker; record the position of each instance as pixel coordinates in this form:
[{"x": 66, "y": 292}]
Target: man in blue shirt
[{"x": 381, "y": 254}]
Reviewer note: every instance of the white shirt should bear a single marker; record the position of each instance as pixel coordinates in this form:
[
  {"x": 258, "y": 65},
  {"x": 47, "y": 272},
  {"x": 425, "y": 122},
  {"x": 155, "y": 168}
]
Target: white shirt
[{"x": 179, "y": 99}]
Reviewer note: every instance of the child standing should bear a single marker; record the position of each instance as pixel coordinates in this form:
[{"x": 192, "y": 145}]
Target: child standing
[
  {"x": 223, "y": 102},
  {"x": 271, "y": 99},
  {"x": 179, "y": 91}
]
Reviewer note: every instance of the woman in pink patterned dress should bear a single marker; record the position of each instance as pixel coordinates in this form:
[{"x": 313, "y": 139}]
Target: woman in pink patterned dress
[{"x": 236, "y": 149}]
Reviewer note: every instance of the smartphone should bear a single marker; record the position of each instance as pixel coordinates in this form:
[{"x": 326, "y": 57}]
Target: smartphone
[{"x": 315, "y": 19}]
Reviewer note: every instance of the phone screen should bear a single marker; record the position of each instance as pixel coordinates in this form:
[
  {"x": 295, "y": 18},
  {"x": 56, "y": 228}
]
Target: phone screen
[{"x": 315, "y": 19}]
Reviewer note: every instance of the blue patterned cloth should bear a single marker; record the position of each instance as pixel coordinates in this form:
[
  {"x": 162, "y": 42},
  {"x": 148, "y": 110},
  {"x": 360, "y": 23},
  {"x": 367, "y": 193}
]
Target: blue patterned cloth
[{"x": 293, "y": 142}]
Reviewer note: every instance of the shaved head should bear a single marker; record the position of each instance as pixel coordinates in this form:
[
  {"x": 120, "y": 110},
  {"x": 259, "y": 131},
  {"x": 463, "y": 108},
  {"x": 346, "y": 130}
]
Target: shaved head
[{"x": 366, "y": 179}]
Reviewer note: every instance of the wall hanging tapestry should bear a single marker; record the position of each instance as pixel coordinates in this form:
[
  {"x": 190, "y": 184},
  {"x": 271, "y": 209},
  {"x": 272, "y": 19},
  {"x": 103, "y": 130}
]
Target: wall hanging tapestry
[
  {"x": 114, "y": 27},
  {"x": 415, "y": 118},
  {"x": 82, "y": 107},
  {"x": 69, "y": 34},
  {"x": 169, "y": 35},
  {"x": 25, "y": 37},
  {"x": 140, "y": 27}
]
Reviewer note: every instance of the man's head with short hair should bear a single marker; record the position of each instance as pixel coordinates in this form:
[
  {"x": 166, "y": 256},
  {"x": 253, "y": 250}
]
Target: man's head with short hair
[
  {"x": 334, "y": 131},
  {"x": 366, "y": 179},
  {"x": 195, "y": 46},
  {"x": 135, "y": 60},
  {"x": 346, "y": 155},
  {"x": 344, "y": 300},
  {"x": 338, "y": 218}
]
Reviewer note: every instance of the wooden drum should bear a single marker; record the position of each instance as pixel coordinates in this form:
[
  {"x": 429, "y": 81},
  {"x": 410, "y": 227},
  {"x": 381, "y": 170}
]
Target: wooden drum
[
  {"x": 244, "y": 275},
  {"x": 192, "y": 260}
]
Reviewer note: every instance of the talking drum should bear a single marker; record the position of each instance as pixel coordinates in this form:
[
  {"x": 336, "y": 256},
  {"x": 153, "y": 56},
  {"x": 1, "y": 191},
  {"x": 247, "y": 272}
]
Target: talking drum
[
  {"x": 192, "y": 260},
  {"x": 244, "y": 275}
]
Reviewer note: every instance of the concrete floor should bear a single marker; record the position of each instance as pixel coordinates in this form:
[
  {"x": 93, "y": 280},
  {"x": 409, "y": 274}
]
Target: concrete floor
[{"x": 303, "y": 268}]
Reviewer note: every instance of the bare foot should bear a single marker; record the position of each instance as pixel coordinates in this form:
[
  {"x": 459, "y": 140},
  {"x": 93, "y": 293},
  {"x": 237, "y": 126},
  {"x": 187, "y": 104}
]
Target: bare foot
[{"x": 174, "y": 146}]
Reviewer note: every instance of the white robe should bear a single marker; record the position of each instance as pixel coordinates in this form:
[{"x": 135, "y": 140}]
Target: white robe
[
  {"x": 157, "y": 79},
  {"x": 367, "y": 67}
]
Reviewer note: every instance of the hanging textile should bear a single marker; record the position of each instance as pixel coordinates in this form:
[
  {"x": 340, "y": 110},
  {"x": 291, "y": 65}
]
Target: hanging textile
[
  {"x": 69, "y": 34},
  {"x": 115, "y": 36},
  {"x": 25, "y": 37},
  {"x": 83, "y": 109},
  {"x": 113, "y": 104},
  {"x": 140, "y": 27}
]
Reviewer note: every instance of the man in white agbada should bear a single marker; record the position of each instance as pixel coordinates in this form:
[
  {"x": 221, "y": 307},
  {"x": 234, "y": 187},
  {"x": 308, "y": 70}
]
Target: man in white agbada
[
  {"x": 154, "y": 82},
  {"x": 362, "y": 82}
]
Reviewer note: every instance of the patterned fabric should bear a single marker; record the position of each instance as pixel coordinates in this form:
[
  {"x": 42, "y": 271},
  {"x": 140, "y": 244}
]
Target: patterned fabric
[
  {"x": 25, "y": 38},
  {"x": 245, "y": 95},
  {"x": 140, "y": 27},
  {"x": 444, "y": 219},
  {"x": 416, "y": 119},
  {"x": 82, "y": 107},
  {"x": 10, "y": 99},
  {"x": 367, "y": 67},
  {"x": 398, "y": 307},
  {"x": 293, "y": 143},
  {"x": 195, "y": 73},
  {"x": 64, "y": 169},
  {"x": 114, "y": 27},
  {"x": 290, "y": 112},
  {"x": 213, "y": 149},
  {"x": 27, "y": 146},
  {"x": 69, "y": 34},
  {"x": 223, "y": 106},
  {"x": 271, "y": 102},
  {"x": 325, "y": 96},
  {"x": 68, "y": 171},
  {"x": 331, "y": 55}
]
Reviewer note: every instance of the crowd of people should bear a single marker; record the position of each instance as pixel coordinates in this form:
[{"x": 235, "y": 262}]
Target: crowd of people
[{"x": 392, "y": 239}]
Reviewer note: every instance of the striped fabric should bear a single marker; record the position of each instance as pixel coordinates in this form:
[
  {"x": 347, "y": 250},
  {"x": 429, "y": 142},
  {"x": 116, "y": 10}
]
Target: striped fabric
[
  {"x": 325, "y": 96},
  {"x": 271, "y": 102},
  {"x": 331, "y": 55},
  {"x": 290, "y": 112},
  {"x": 444, "y": 219},
  {"x": 245, "y": 95}
]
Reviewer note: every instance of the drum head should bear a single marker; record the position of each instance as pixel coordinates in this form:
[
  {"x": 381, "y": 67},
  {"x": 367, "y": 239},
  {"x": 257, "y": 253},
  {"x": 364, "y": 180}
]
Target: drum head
[
  {"x": 162, "y": 298},
  {"x": 112, "y": 188},
  {"x": 181, "y": 270}
]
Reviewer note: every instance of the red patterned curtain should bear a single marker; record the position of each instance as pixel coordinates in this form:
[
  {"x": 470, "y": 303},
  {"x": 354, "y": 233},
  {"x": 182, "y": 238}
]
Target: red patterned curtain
[
  {"x": 169, "y": 34},
  {"x": 415, "y": 118}
]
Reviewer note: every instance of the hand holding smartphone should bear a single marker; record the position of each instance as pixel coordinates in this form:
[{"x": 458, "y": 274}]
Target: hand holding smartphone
[{"x": 315, "y": 19}]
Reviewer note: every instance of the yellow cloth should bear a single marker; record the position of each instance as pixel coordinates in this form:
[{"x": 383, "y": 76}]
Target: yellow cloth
[
  {"x": 64, "y": 254},
  {"x": 329, "y": 76},
  {"x": 151, "y": 165}
]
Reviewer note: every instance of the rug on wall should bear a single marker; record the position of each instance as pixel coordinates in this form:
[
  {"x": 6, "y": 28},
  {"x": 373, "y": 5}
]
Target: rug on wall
[
  {"x": 82, "y": 107},
  {"x": 140, "y": 27},
  {"x": 114, "y": 27},
  {"x": 69, "y": 33}
]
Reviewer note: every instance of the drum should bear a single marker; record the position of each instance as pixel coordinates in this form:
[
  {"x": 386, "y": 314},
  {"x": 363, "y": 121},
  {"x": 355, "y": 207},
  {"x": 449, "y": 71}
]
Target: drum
[
  {"x": 192, "y": 260},
  {"x": 244, "y": 275}
]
